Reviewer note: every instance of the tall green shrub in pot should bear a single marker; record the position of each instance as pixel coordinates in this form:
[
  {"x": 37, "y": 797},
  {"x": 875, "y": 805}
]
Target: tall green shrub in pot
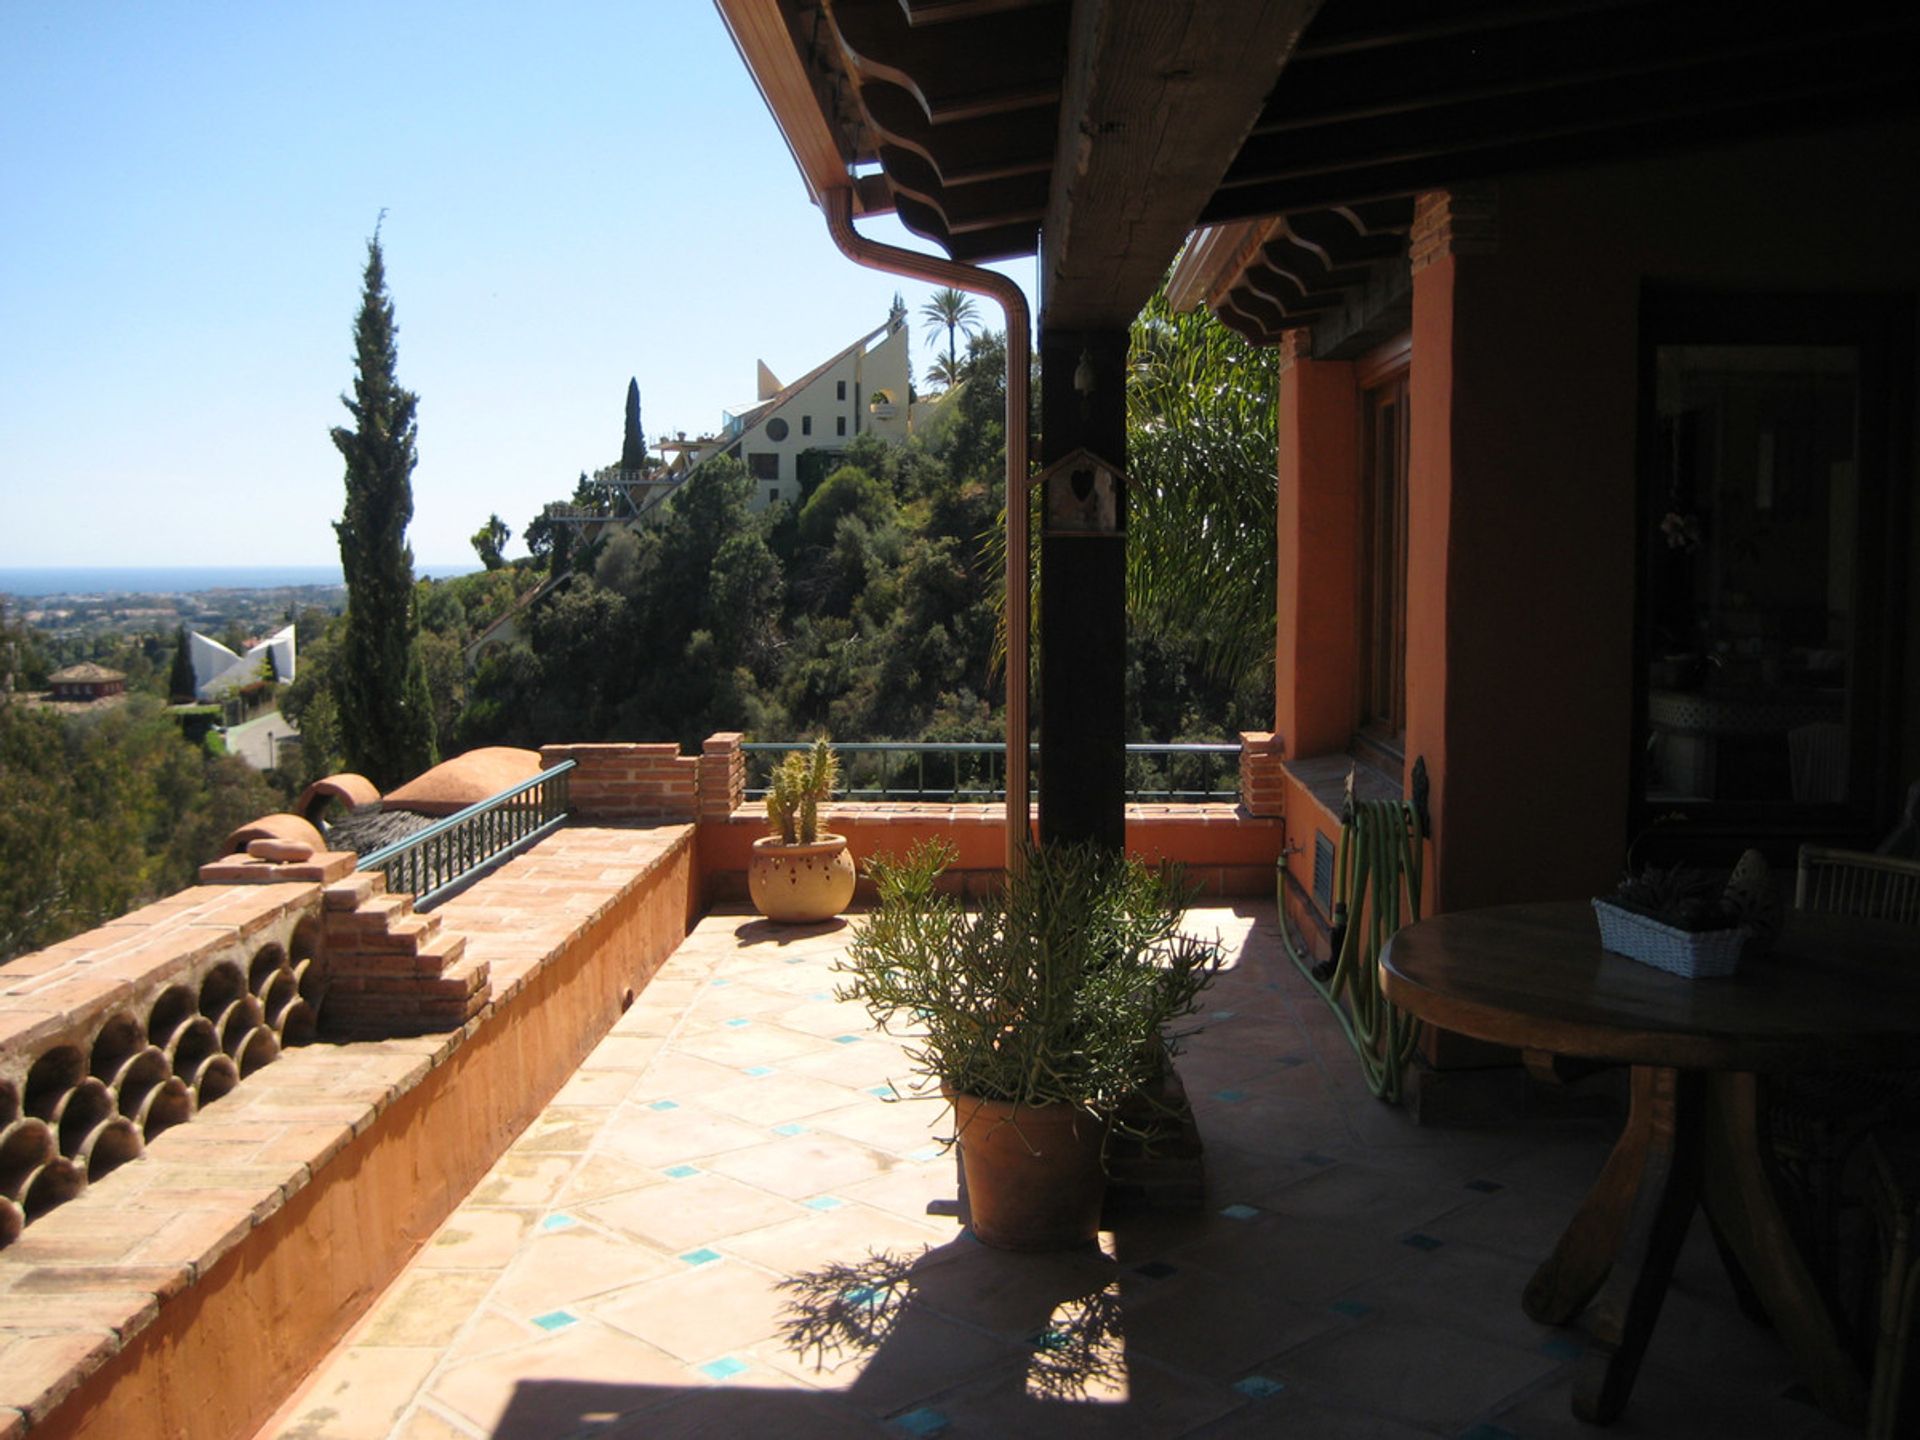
[{"x": 1040, "y": 1013}]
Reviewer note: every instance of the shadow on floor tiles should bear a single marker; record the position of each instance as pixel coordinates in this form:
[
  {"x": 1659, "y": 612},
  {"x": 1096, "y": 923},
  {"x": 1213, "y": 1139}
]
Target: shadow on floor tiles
[
  {"x": 766, "y": 932},
  {"x": 1024, "y": 1335}
]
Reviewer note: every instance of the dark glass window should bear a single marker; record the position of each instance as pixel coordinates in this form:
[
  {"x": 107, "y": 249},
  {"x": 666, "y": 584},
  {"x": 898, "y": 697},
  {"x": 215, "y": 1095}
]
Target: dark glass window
[
  {"x": 776, "y": 429},
  {"x": 806, "y": 424},
  {"x": 840, "y": 390},
  {"x": 1768, "y": 488},
  {"x": 1383, "y": 561}
]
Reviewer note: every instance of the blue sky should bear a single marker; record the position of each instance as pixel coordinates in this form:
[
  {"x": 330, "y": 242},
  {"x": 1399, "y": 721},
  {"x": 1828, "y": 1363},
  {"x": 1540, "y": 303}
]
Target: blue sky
[{"x": 575, "y": 194}]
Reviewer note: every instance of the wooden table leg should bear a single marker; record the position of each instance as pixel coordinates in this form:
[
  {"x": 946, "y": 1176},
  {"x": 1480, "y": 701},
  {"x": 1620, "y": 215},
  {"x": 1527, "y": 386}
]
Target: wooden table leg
[
  {"x": 1572, "y": 1275},
  {"x": 1738, "y": 1192},
  {"x": 1629, "y": 1302}
]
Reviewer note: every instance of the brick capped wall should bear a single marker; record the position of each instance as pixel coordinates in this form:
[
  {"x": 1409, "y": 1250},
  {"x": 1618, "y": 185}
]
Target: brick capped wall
[
  {"x": 1261, "y": 780},
  {"x": 723, "y": 775},
  {"x": 615, "y": 782}
]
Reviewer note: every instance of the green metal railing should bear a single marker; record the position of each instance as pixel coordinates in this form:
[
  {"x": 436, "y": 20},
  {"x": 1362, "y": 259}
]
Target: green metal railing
[
  {"x": 438, "y": 860},
  {"x": 976, "y": 771}
]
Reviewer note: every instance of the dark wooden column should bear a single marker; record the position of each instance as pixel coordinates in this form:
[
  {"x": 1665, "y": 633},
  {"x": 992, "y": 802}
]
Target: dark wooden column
[{"x": 1083, "y": 612}]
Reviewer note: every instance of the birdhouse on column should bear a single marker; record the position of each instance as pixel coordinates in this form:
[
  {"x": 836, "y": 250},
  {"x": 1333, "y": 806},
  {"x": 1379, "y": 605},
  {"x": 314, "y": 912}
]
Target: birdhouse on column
[{"x": 1084, "y": 495}]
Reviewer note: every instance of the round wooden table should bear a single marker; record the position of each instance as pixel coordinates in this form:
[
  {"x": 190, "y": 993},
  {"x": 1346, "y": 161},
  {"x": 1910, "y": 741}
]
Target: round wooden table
[{"x": 1833, "y": 994}]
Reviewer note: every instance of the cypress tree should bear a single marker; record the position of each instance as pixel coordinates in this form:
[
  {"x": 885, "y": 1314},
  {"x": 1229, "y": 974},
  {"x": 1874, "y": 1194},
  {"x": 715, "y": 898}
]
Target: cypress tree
[
  {"x": 180, "y": 684},
  {"x": 633, "y": 448},
  {"x": 386, "y": 714}
]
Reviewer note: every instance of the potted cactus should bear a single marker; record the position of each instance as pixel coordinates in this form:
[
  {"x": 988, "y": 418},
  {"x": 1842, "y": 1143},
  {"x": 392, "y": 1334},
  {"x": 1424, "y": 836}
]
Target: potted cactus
[{"x": 799, "y": 873}]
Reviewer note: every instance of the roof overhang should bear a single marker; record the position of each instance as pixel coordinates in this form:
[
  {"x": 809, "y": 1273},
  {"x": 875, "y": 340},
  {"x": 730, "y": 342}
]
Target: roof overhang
[{"x": 1096, "y": 134}]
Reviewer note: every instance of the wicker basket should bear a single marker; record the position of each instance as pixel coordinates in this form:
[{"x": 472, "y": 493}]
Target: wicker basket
[{"x": 1690, "y": 954}]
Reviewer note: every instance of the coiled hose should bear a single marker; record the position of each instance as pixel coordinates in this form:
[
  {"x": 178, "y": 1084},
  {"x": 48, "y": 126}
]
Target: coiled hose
[{"x": 1376, "y": 874}]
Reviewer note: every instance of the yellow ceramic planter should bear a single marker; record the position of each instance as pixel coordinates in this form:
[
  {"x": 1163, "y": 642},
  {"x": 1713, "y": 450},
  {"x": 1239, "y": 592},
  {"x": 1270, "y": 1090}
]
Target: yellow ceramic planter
[{"x": 800, "y": 883}]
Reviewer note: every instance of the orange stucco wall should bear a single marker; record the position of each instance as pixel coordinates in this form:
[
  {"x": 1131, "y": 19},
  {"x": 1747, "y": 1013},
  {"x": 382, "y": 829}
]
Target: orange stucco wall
[
  {"x": 1523, "y": 396},
  {"x": 1224, "y": 852},
  {"x": 217, "y": 1360},
  {"x": 1318, "y": 530}
]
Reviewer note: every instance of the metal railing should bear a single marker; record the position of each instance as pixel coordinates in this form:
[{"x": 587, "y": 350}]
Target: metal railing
[
  {"x": 975, "y": 771},
  {"x": 434, "y": 862}
]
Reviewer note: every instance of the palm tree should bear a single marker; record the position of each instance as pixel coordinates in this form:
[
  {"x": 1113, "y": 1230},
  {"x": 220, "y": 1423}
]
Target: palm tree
[
  {"x": 952, "y": 311},
  {"x": 943, "y": 374}
]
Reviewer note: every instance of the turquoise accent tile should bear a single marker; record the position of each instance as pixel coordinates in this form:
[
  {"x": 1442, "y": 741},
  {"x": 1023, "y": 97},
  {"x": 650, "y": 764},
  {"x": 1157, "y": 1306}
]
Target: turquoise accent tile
[
  {"x": 796, "y": 960},
  {"x": 928, "y": 1152},
  {"x": 1314, "y": 1157},
  {"x": 1049, "y": 1340},
  {"x": 884, "y": 1092},
  {"x": 558, "y": 1222},
  {"x": 725, "y": 1368},
  {"x": 664, "y": 1105},
  {"x": 758, "y": 1072},
  {"x": 1485, "y": 1187},
  {"x": 702, "y": 1256},
  {"x": 924, "y": 1421},
  {"x": 820, "y": 995},
  {"x": 846, "y": 1039},
  {"x": 1287, "y": 1062},
  {"x": 739, "y": 1022},
  {"x": 1240, "y": 1212},
  {"x": 789, "y": 1129},
  {"x": 1230, "y": 1097},
  {"x": 1421, "y": 1242},
  {"x": 1561, "y": 1348},
  {"x": 1258, "y": 1386},
  {"x": 824, "y": 1202},
  {"x": 863, "y": 1295},
  {"x": 556, "y": 1320},
  {"x": 718, "y": 983},
  {"x": 680, "y": 1172},
  {"x": 1353, "y": 1309},
  {"x": 1223, "y": 1015}
]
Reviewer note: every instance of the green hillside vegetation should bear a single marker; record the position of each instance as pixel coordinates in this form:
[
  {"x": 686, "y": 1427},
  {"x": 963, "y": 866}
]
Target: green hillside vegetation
[{"x": 869, "y": 609}]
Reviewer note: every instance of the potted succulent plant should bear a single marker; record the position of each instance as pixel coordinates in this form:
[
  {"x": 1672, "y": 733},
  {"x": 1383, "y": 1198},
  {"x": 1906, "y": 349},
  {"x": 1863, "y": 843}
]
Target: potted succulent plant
[
  {"x": 1691, "y": 922},
  {"x": 1040, "y": 1014},
  {"x": 800, "y": 873}
]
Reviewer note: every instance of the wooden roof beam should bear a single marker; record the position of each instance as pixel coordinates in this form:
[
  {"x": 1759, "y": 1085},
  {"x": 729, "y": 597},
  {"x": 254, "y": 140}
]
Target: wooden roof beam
[{"x": 1156, "y": 102}]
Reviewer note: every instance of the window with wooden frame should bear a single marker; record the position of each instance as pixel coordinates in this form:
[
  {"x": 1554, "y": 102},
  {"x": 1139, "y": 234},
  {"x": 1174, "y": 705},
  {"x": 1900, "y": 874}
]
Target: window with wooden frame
[{"x": 1382, "y": 707}]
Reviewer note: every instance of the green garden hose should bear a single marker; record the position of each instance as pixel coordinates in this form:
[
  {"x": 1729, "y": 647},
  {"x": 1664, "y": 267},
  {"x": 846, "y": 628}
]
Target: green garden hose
[{"x": 1376, "y": 876}]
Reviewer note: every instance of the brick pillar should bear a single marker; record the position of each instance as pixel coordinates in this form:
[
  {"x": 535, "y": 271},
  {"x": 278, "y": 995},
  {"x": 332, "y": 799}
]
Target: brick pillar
[
  {"x": 1260, "y": 775},
  {"x": 723, "y": 775},
  {"x": 621, "y": 782}
]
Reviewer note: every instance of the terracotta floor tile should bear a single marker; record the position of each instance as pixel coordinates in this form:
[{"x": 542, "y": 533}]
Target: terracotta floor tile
[
  {"x": 477, "y": 1237},
  {"x": 521, "y": 1178},
  {"x": 426, "y": 1307},
  {"x": 603, "y": 1174},
  {"x": 426, "y": 1424},
  {"x": 563, "y": 1266},
  {"x": 777, "y": 1099},
  {"x": 700, "y": 1313},
  {"x": 887, "y": 1361},
  {"x": 558, "y": 1385},
  {"x": 361, "y": 1395},
  {"x": 799, "y": 1166},
  {"x": 682, "y": 1135},
  {"x": 1439, "y": 1377},
  {"x": 592, "y": 1087},
  {"x": 843, "y": 1235},
  {"x": 902, "y": 1127},
  {"x": 702, "y": 1209}
]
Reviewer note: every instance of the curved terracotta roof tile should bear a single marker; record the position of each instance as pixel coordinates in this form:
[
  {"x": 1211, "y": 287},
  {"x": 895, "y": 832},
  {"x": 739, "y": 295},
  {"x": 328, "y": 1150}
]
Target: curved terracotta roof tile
[
  {"x": 465, "y": 780},
  {"x": 275, "y": 827},
  {"x": 353, "y": 790}
]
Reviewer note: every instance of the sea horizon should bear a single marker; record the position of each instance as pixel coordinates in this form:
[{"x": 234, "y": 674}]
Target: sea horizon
[{"x": 32, "y": 581}]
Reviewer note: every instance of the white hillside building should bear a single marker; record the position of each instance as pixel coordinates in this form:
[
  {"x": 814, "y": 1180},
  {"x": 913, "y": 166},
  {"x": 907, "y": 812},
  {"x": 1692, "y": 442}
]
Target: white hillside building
[
  {"x": 218, "y": 671},
  {"x": 860, "y": 391}
]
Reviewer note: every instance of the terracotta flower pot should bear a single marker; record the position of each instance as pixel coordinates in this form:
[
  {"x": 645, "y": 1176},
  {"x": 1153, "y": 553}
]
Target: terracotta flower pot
[
  {"x": 1034, "y": 1175},
  {"x": 800, "y": 884}
]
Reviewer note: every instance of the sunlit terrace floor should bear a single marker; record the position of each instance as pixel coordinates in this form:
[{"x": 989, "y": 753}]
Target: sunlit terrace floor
[{"x": 726, "y": 1223}]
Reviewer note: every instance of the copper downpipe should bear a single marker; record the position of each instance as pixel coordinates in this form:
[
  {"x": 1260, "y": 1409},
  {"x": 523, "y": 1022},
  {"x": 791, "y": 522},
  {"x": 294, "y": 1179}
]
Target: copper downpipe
[{"x": 838, "y": 205}]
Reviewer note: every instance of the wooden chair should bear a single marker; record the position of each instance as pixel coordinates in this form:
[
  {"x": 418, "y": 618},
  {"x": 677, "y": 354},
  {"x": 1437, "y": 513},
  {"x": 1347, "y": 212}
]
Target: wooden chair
[
  {"x": 1819, "y": 1122},
  {"x": 1893, "y": 1194},
  {"x": 1852, "y": 882}
]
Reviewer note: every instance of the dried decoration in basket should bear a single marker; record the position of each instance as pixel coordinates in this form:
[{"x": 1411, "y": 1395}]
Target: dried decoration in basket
[{"x": 1689, "y": 922}]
